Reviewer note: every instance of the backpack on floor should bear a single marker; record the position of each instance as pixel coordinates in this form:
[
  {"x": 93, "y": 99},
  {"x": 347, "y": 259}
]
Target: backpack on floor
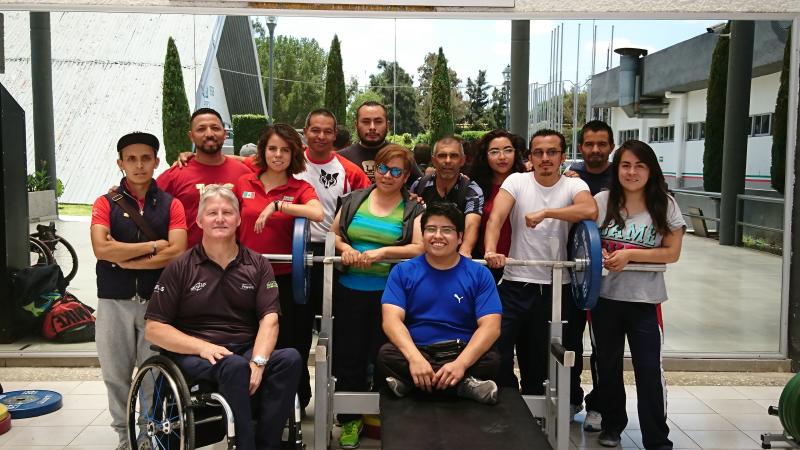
[
  {"x": 69, "y": 320},
  {"x": 33, "y": 291}
]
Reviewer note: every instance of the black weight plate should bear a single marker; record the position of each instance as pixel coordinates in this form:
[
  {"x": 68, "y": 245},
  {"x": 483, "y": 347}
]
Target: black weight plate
[
  {"x": 584, "y": 243},
  {"x": 31, "y": 403},
  {"x": 301, "y": 275}
]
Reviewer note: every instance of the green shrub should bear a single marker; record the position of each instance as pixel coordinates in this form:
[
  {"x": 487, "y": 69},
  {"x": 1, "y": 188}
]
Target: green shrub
[
  {"x": 405, "y": 139},
  {"x": 246, "y": 128},
  {"x": 423, "y": 138},
  {"x": 715, "y": 114},
  {"x": 175, "y": 116},
  {"x": 778, "y": 167},
  {"x": 472, "y": 135}
]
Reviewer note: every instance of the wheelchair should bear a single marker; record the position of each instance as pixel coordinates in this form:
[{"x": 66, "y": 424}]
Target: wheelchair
[{"x": 165, "y": 412}]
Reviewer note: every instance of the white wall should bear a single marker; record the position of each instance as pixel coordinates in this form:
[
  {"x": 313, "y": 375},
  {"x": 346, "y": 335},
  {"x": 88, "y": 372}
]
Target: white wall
[{"x": 764, "y": 91}]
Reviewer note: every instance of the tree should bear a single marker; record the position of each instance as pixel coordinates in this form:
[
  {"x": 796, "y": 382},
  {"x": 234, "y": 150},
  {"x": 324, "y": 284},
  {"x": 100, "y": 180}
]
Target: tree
[
  {"x": 777, "y": 169},
  {"x": 715, "y": 114},
  {"x": 298, "y": 76},
  {"x": 441, "y": 117},
  {"x": 335, "y": 97},
  {"x": 425, "y": 77},
  {"x": 357, "y": 101},
  {"x": 175, "y": 116},
  {"x": 383, "y": 84},
  {"x": 478, "y": 101},
  {"x": 497, "y": 114}
]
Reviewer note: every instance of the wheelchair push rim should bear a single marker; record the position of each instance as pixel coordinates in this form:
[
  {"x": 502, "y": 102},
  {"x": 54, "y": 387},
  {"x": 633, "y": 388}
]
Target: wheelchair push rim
[{"x": 159, "y": 409}]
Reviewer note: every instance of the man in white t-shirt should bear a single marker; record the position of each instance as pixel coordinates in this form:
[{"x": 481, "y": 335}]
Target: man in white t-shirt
[{"x": 542, "y": 204}]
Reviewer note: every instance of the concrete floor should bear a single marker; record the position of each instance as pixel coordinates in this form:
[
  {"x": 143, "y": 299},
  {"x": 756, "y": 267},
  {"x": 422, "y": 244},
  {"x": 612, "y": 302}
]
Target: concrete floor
[
  {"x": 730, "y": 414},
  {"x": 722, "y": 299}
]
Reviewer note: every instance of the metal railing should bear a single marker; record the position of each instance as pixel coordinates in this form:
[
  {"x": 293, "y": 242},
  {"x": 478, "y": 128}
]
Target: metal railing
[{"x": 741, "y": 224}]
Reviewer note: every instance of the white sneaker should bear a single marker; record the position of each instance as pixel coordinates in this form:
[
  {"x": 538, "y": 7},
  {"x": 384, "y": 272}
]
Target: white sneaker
[
  {"x": 592, "y": 421},
  {"x": 482, "y": 391}
]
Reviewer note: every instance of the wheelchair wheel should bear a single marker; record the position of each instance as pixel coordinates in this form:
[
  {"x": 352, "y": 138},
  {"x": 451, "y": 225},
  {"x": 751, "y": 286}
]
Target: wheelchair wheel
[
  {"x": 40, "y": 254},
  {"x": 64, "y": 255},
  {"x": 159, "y": 409}
]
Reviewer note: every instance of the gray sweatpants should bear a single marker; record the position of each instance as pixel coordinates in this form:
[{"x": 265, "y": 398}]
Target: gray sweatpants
[{"x": 119, "y": 332}]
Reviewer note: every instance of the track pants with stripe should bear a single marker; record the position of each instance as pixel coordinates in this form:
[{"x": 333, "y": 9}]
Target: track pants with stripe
[{"x": 612, "y": 322}]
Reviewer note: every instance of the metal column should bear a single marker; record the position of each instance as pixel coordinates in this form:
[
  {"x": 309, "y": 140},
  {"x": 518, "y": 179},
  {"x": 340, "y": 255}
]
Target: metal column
[
  {"x": 737, "y": 112},
  {"x": 520, "y": 61},
  {"x": 42, "y": 84}
]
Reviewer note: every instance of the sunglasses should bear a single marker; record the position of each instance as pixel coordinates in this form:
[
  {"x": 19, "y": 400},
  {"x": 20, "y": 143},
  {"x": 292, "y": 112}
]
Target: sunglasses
[{"x": 396, "y": 172}]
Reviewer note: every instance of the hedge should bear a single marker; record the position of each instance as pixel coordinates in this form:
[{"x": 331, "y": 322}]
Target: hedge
[{"x": 246, "y": 128}]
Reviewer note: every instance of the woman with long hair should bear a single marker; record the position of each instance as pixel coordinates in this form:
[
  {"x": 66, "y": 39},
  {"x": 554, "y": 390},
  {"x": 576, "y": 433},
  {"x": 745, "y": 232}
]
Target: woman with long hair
[
  {"x": 639, "y": 222},
  {"x": 379, "y": 222},
  {"x": 269, "y": 200},
  {"x": 496, "y": 158}
]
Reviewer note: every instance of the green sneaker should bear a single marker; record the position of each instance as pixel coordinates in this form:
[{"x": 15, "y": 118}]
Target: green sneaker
[{"x": 351, "y": 431}]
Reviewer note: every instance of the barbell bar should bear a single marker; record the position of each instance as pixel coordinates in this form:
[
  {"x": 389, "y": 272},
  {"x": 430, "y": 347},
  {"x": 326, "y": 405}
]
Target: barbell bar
[{"x": 584, "y": 262}]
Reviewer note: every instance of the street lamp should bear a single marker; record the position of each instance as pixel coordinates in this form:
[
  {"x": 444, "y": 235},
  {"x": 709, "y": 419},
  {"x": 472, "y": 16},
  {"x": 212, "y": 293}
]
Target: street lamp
[
  {"x": 271, "y": 22},
  {"x": 507, "y": 82}
]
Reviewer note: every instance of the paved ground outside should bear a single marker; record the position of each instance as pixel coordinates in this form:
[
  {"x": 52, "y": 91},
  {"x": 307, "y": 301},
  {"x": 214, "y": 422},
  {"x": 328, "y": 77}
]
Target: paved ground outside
[{"x": 726, "y": 416}]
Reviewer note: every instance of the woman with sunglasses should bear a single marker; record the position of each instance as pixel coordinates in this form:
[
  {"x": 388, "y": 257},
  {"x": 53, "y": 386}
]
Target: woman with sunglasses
[
  {"x": 495, "y": 160},
  {"x": 269, "y": 200},
  {"x": 379, "y": 222},
  {"x": 639, "y": 222}
]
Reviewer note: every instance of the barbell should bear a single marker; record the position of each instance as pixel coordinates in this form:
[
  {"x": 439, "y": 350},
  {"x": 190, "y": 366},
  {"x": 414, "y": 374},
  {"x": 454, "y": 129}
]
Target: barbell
[{"x": 584, "y": 263}]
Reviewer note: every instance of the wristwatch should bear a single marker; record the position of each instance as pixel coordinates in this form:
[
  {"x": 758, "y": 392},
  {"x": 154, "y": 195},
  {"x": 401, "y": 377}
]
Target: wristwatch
[{"x": 259, "y": 361}]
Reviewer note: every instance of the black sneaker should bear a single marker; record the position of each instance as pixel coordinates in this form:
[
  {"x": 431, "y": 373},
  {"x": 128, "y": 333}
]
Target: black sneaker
[
  {"x": 608, "y": 439},
  {"x": 397, "y": 387},
  {"x": 482, "y": 391}
]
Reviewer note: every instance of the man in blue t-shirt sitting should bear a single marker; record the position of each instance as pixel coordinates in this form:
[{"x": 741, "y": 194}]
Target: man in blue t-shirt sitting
[{"x": 441, "y": 313}]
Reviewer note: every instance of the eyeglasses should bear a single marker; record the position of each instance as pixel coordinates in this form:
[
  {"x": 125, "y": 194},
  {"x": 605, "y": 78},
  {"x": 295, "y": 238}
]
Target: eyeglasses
[
  {"x": 495, "y": 152},
  {"x": 396, "y": 172},
  {"x": 552, "y": 153},
  {"x": 430, "y": 229}
]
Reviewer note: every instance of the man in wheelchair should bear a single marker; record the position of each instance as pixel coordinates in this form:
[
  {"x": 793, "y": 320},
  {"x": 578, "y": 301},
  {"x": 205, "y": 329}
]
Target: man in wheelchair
[
  {"x": 215, "y": 308},
  {"x": 441, "y": 313}
]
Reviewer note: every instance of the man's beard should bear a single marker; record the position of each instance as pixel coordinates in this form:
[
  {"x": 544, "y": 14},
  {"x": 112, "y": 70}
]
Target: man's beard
[
  {"x": 367, "y": 142},
  {"x": 210, "y": 147},
  {"x": 595, "y": 162}
]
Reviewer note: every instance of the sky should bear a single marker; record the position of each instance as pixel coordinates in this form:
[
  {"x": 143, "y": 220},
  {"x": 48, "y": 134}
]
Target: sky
[{"x": 472, "y": 45}]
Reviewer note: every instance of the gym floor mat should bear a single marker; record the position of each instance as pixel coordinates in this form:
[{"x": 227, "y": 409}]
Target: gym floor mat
[{"x": 425, "y": 422}]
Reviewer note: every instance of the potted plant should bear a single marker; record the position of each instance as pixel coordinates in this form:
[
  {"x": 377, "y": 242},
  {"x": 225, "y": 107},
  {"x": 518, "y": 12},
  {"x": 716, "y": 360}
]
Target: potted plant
[{"x": 41, "y": 200}]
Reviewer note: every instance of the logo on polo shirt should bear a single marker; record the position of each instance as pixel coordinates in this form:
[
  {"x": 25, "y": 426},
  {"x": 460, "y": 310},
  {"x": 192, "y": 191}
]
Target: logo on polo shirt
[
  {"x": 158, "y": 288},
  {"x": 198, "y": 287},
  {"x": 458, "y": 298},
  {"x": 272, "y": 284},
  {"x": 248, "y": 194},
  {"x": 248, "y": 287}
]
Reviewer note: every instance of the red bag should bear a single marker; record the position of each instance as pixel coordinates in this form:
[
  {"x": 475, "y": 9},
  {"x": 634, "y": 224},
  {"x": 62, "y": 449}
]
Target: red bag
[{"x": 69, "y": 320}]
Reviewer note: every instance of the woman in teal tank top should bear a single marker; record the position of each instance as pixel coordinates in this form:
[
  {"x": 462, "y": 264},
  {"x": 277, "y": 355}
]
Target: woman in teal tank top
[{"x": 376, "y": 223}]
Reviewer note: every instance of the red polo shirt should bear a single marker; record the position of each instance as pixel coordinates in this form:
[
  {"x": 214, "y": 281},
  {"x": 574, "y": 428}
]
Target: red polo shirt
[{"x": 276, "y": 237}]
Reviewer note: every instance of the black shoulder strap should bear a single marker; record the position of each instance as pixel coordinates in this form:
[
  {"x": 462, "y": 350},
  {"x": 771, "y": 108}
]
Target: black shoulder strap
[{"x": 135, "y": 216}]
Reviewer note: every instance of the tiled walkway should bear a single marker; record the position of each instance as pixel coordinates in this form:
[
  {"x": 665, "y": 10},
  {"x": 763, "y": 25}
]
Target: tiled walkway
[{"x": 700, "y": 417}]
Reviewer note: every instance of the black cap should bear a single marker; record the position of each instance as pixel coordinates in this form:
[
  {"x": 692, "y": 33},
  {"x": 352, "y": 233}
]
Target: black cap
[{"x": 137, "y": 137}]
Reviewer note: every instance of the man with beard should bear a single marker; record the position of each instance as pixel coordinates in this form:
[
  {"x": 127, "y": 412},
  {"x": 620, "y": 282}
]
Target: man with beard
[
  {"x": 596, "y": 140},
  {"x": 209, "y": 166},
  {"x": 447, "y": 184},
  {"x": 542, "y": 205},
  {"x": 372, "y": 127}
]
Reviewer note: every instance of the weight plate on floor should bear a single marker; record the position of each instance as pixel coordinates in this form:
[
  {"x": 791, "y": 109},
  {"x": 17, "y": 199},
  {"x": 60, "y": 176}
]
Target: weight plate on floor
[
  {"x": 584, "y": 244},
  {"x": 301, "y": 274},
  {"x": 31, "y": 403},
  {"x": 5, "y": 424},
  {"x": 3, "y": 412}
]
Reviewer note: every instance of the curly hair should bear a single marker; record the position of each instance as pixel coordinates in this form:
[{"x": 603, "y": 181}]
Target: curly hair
[
  {"x": 288, "y": 134},
  {"x": 480, "y": 172}
]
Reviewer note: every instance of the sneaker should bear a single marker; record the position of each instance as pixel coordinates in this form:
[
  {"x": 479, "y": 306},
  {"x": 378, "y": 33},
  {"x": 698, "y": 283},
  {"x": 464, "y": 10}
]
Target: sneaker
[
  {"x": 592, "y": 421},
  {"x": 573, "y": 411},
  {"x": 351, "y": 431},
  {"x": 482, "y": 391},
  {"x": 608, "y": 439},
  {"x": 397, "y": 387}
]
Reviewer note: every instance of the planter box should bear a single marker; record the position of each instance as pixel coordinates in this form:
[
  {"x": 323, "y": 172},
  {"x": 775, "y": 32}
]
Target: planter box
[{"x": 42, "y": 206}]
